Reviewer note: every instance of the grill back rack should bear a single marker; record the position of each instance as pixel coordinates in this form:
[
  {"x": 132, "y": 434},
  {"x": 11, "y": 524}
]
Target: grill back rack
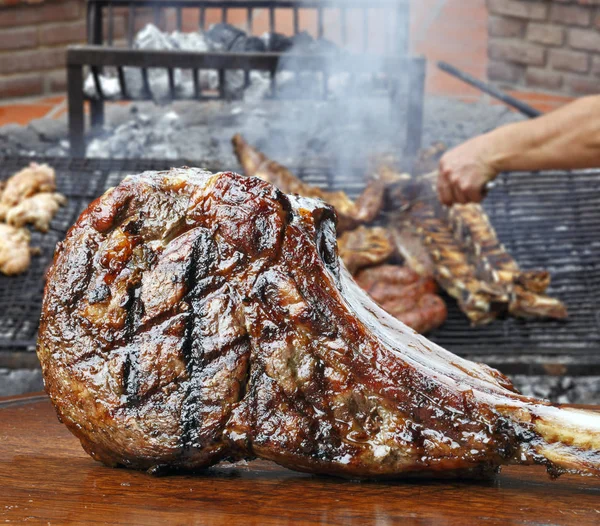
[
  {"x": 405, "y": 74},
  {"x": 549, "y": 220}
]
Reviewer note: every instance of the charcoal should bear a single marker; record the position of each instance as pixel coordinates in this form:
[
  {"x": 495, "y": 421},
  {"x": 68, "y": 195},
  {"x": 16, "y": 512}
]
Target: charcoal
[
  {"x": 223, "y": 36},
  {"x": 248, "y": 44},
  {"x": 190, "y": 41},
  {"x": 276, "y": 42}
]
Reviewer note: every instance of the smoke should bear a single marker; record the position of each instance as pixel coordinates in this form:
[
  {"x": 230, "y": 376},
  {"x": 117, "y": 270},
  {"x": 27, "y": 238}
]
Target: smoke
[
  {"x": 350, "y": 110},
  {"x": 342, "y": 113}
]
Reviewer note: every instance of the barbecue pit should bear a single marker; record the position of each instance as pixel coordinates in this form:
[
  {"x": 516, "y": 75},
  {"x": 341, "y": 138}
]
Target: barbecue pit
[{"x": 404, "y": 74}]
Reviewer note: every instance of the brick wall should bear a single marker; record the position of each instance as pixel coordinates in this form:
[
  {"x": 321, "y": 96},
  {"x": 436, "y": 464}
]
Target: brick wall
[
  {"x": 33, "y": 37},
  {"x": 550, "y": 45}
]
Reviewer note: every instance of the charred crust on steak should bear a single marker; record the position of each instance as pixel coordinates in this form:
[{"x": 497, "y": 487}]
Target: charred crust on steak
[{"x": 229, "y": 330}]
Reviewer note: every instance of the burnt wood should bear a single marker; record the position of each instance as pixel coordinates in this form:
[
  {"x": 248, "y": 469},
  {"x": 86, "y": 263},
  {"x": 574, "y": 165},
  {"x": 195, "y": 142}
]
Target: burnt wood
[{"x": 76, "y": 490}]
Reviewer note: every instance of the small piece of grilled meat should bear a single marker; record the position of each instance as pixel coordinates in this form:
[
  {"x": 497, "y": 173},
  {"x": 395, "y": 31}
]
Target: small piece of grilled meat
[
  {"x": 15, "y": 254},
  {"x": 37, "y": 210},
  {"x": 190, "y": 318},
  {"x": 34, "y": 179},
  {"x": 365, "y": 247},
  {"x": 405, "y": 295}
]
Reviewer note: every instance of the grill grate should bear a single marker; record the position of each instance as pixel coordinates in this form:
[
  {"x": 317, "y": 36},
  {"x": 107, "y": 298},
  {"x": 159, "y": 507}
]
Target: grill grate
[{"x": 548, "y": 220}]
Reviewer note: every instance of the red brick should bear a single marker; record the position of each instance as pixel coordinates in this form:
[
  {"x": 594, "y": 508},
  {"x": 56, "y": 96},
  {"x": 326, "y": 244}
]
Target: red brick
[
  {"x": 504, "y": 71},
  {"x": 545, "y": 34},
  {"x": 21, "y": 85},
  {"x": 51, "y": 12},
  {"x": 17, "y": 62},
  {"x": 63, "y": 33},
  {"x": 564, "y": 60},
  {"x": 583, "y": 85},
  {"x": 502, "y": 26},
  {"x": 517, "y": 51},
  {"x": 541, "y": 78},
  {"x": 534, "y": 10},
  {"x": 572, "y": 15},
  {"x": 21, "y": 38},
  {"x": 587, "y": 39},
  {"x": 56, "y": 81},
  {"x": 143, "y": 17}
]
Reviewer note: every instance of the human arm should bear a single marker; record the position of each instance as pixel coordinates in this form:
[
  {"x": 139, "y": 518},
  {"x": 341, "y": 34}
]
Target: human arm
[{"x": 567, "y": 138}]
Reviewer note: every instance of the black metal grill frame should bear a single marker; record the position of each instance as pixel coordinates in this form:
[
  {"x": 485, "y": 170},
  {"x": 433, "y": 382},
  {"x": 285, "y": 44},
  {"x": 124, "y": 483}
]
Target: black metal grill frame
[
  {"x": 548, "y": 220},
  {"x": 406, "y": 74}
]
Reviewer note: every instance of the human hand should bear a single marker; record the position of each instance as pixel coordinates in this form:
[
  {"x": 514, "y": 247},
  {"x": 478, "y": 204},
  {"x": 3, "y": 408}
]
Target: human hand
[{"x": 464, "y": 171}]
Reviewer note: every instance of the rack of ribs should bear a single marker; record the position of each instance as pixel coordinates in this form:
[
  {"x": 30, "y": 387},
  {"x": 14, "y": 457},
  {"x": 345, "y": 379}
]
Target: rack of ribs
[
  {"x": 191, "y": 318},
  {"x": 467, "y": 258},
  {"x": 526, "y": 289}
]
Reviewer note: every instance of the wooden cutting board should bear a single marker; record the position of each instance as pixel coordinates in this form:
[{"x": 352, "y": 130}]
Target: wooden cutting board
[{"x": 45, "y": 477}]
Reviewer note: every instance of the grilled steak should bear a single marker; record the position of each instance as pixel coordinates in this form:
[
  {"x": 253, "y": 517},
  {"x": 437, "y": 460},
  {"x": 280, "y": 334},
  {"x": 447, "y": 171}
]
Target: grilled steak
[
  {"x": 190, "y": 318},
  {"x": 350, "y": 213}
]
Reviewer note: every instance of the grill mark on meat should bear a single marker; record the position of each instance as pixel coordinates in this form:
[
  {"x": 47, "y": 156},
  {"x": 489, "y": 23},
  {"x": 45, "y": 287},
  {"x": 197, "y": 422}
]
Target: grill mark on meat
[
  {"x": 199, "y": 266},
  {"x": 134, "y": 309},
  {"x": 77, "y": 270},
  {"x": 130, "y": 378}
]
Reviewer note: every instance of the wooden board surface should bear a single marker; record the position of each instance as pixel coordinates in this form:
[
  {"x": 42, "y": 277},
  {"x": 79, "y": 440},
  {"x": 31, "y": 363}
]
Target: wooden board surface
[{"x": 45, "y": 477}]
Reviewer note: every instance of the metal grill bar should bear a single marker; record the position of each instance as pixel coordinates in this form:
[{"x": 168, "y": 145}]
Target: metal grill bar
[
  {"x": 110, "y": 25},
  {"x": 179, "y": 19},
  {"x": 296, "y": 21},
  {"x": 320, "y": 28},
  {"x": 272, "y": 19},
  {"x": 98, "y": 56},
  {"x": 146, "y": 83},
  {"x": 171, "y": 75},
  {"x": 122, "y": 84},
  {"x": 250, "y": 20},
  {"x": 130, "y": 25}
]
